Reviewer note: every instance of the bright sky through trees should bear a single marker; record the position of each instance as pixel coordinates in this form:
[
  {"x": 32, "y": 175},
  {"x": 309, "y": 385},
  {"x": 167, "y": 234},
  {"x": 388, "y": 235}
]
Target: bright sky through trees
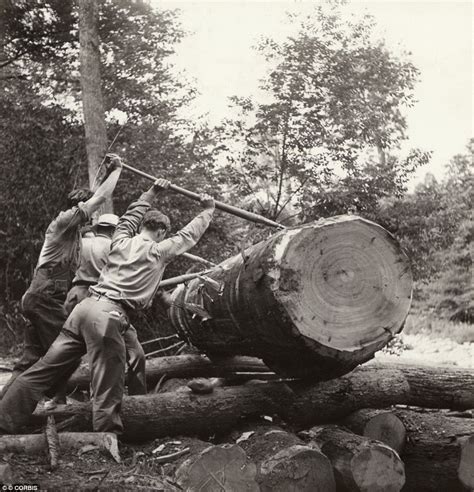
[{"x": 218, "y": 54}]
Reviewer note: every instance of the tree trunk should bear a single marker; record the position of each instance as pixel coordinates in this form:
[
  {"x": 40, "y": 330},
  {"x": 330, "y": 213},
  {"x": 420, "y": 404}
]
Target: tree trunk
[
  {"x": 303, "y": 405},
  {"x": 285, "y": 463},
  {"x": 439, "y": 452},
  {"x": 312, "y": 301},
  {"x": 187, "y": 366},
  {"x": 92, "y": 103},
  {"x": 360, "y": 463},
  {"x": 380, "y": 425}
]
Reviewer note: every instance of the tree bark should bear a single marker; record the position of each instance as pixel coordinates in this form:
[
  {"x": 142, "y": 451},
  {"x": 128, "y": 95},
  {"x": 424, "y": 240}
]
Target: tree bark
[
  {"x": 187, "y": 366},
  {"x": 371, "y": 386},
  {"x": 312, "y": 301},
  {"x": 439, "y": 452},
  {"x": 91, "y": 84},
  {"x": 380, "y": 425},
  {"x": 285, "y": 463},
  {"x": 360, "y": 463}
]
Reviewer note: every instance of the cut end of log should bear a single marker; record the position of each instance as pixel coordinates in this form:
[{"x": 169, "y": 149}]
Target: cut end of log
[
  {"x": 344, "y": 282},
  {"x": 387, "y": 428},
  {"x": 297, "y": 468},
  {"x": 466, "y": 464},
  {"x": 378, "y": 469},
  {"x": 218, "y": 468}
]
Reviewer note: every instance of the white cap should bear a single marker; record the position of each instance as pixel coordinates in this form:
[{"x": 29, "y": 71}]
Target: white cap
[{"x": 108, "y": 220}]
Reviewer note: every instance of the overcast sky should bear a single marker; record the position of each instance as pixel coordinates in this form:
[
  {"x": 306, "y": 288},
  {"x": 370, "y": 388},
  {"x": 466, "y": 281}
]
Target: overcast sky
[{"x": 218, "y": 54}]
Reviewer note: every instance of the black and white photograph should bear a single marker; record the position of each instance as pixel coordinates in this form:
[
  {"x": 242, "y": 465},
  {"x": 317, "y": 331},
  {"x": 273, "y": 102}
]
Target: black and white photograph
[{"x": 236, "y": 244}]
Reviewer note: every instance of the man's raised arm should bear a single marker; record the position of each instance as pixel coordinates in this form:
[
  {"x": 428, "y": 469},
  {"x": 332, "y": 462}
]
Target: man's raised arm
[
  {"x": 130, "y": 221},
  {"x": 189, "y": 235},
  {"x": 107, "y": 187}
]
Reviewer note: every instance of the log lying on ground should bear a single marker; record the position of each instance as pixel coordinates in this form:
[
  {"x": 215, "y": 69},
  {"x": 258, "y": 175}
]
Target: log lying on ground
[
  {"x": 380, "y": 425},
  {"x": 439, "y": 453},
  {"x": 311, "y": 301},
  {"x": 186, "y": 366},
  {"x": 32, "y": 444},
  {"x": 285, "y": 463},
  {"x": 359, "y": 463},
  {"x": 370, "y": 386}
]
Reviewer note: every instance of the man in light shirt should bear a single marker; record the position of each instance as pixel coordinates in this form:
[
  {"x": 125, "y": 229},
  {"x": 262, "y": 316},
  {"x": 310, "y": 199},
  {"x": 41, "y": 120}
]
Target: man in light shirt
[
  {"x": 130, "y": 280},
  {"x": 95, "y": 249}
]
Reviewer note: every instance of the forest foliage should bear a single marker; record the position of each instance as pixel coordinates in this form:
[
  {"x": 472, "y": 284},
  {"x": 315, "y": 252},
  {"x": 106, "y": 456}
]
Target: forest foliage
[{"x": 323, "y": 137}]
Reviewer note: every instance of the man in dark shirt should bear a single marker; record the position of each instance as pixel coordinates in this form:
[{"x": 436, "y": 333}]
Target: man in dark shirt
[
  {"x": 130, "y": 280},
  {"x": 42, "y": 304}
]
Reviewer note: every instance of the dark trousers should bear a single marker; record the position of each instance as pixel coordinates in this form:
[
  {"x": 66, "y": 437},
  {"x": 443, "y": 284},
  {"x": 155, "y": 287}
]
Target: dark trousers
[
  {"x": 96, "y": 326},
  {"x": 136, "y": 371},
  {"x": 47, "y": 317}
]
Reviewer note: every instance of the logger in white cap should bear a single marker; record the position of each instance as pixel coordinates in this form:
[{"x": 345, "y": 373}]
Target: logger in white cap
[{"x": 94, "y": 253}]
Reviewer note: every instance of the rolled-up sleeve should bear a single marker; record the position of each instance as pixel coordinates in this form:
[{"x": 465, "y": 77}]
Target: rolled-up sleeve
[
  {"x": 185, "y": 239},
  {"x": 70, "y": 219},
  {"x": 130, "y": 221}
]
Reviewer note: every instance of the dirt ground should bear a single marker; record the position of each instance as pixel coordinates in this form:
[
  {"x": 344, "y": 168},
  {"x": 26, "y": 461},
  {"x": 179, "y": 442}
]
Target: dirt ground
[{"x": 87, "y": 470}]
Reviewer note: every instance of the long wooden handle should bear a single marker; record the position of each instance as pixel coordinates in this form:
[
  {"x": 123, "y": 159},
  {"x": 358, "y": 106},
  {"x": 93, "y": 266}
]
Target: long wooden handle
[{"x": 238, "y": 212}]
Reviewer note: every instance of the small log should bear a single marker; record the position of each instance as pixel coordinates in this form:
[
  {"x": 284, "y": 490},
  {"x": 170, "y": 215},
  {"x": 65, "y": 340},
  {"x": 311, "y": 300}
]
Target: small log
[
  {"x": 439, "y": 453},
  {"x": 380, "y": 425},
  {"x": 285, "y": 463},
  {"x": 32, "y": 444},
  {"x": 360, "y": 464},
  {"x": 370, "y": 386},
  {"x": 224, "y": 467},
  {"x": 184, "y": 366}
]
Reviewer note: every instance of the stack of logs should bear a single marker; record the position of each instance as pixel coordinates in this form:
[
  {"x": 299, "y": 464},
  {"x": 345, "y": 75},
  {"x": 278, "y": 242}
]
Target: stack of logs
[
  {"x": 384, "y": 426},
  {"x": 310, "y": 304}
]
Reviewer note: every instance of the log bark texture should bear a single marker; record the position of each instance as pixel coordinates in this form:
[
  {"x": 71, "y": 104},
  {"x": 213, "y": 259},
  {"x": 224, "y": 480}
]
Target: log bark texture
[
  {"x": 370, "y": 386},
  {"x": 380, "y": 425},
  {"x": 439, "y": 453},
  {"x": 360, "y": 463},
  {"x": 312, "y": 301},
  {"x": 285, "y": 463},
  {"x": 185, "y": 366}
]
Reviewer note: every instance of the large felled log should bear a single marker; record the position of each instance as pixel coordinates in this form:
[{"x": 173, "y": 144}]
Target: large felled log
[
  {"x": 380, "y": 425},
  {"x": 439, "y": 453},
  {"x": 370, "y": 386},
  {"x": 360, "y": 463},
  {"x": 312, "y": 301},
  {"x": 184, "y": 366},
  {"x": 285, "y": 463}
]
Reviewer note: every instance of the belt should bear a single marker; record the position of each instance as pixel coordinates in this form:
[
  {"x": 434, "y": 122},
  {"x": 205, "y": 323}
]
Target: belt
[
  {"x": 104, "y": 297},
  {"x": 83, "y": 283}
]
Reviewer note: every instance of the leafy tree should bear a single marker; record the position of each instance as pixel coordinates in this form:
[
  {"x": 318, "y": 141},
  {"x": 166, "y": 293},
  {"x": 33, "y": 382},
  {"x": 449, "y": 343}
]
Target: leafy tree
[
  {"x": 330, "y": 122},
  {"x": 434, "y": 219},
  {"x": 42, "y": 149}
]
